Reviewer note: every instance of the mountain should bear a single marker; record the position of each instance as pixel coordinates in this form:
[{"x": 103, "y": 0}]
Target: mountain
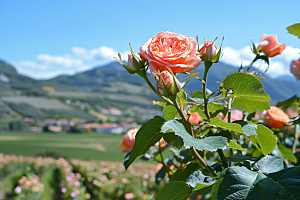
[{"x": 112, "y": 79}]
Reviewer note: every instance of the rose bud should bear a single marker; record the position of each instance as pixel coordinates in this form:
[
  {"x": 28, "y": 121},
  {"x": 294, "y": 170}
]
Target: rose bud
[
  {"x": 276, "y": 118},
  {"x": 167, "y": 84},
  {"x": 295, "y": 69},
  {"x": 208, "y": 51},
  {"x": 269, "y": 45},
  {"x": 128, "y": 140},
  {"x": 135, "y": 62}
]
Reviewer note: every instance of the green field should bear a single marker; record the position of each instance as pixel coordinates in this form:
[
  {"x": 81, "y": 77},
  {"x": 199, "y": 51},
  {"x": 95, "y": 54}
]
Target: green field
[{"x": 79, "y": 146}]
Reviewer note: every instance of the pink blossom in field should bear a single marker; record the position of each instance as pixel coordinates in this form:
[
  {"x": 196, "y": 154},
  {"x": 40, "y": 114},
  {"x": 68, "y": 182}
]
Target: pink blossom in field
[
  {"x": 113, "y": 181},
  {"x": 73, "y": 194},
  {"x": 76, "y": 183},
  {"x": 63, "y": 190},
  {"x": 90, "y": 179},
  {"x": 18, "y": 190},
  {"x": 124, "y": 180},
  {"x": 128, "y": 196}
]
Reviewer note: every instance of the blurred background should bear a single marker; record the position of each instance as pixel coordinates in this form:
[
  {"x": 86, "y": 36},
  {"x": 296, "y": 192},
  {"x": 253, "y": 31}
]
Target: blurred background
[{"x": 62, "y": 94}]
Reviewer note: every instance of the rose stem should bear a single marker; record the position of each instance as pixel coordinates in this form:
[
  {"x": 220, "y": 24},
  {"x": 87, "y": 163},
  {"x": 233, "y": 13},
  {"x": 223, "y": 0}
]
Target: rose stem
[
  {"x": 193, "y": 150},
  {"x": 142, "y": 73},
  {"x": 162, "y": 160},
  {"x": 296, "y": 138},
  {"x": 207, "y": 65}
]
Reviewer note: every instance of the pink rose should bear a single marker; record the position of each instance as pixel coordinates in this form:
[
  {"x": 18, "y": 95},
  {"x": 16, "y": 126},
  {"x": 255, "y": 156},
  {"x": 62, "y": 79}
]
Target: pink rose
[
  {"x": 128, "y": 140},
  {"x": 195, "y": 118},
  {"x": 208, "y": 51},
  {"x": 276, "y": 118},
  {"x": 177, "y": 52},
  {"x": 269, "y": 45},
  {"x": 235, "y": 115},
  {"x": 295, "y": 69}
]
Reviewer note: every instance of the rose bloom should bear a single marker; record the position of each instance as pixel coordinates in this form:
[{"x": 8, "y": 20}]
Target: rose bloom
[
  {"x": 269, "y": 45},
  {"x": 276, "y": 118},
  {"x": 128, "y": 140},
  {"x": 208, "y": 51},
  {"x": 178, "y": 52},
  {"x": 295, "y": 69}
]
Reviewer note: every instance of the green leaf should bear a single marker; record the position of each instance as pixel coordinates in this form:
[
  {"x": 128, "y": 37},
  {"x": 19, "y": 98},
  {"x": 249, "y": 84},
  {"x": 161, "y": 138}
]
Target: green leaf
[
  {"x": 269, "y": 164},
  {"x": 234, "y": 145},
  {"x": 292, "y": 102},
  {"x": 173, "y": 139},
  {"x": 265, "y": 140},
  {"x": 248, "y": 128},
  {"x": 176, "y": 190},
  {"x": 169, "y": 112},
  {"x": 209, "y": 143},
  {"x": 195, "y": 178},
  {"x": 239, "y": 158},
  {"x": 217, "y": 122},
  {"x": 182, "y": 155},
  {"x": 146, "y": 137},
  {"x": 241, "y": 183},
  {"x": 286, "y": 153},
  {"x": 294, "y": 29},
  {"x": 180, "y": 175},
  {"x": 248, "y": 91},
  {"x": 194, "y": 74},
  {"x": 197, "y": 94},
  {"x": 197, "y": 109},
  {"x": 158, "y": 103}
]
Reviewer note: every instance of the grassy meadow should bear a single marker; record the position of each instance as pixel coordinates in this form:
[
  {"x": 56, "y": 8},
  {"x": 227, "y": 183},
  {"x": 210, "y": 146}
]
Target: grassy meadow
[{"x": 78, "y": 146}]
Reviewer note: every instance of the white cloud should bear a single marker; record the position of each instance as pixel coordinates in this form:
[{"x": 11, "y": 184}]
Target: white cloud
[
  {"x": 101, "y": 53},
  {"x": 48, "y": 66},
  {"x": 279, "y": 65}
]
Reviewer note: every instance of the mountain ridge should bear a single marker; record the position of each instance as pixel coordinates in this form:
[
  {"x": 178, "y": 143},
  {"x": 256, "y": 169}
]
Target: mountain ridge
[{"x": 104, "y": 78}]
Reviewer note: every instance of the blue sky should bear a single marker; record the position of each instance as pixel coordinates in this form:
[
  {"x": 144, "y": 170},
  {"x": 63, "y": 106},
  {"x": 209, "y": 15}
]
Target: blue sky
[{"x": 45, "y": 38}]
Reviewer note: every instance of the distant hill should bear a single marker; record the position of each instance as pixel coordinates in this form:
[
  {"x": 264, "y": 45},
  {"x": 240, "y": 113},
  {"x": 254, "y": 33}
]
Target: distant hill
[{"x": 113, "y": 79}]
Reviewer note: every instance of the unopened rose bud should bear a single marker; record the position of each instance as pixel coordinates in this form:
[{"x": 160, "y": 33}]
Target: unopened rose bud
[
  {"x": 269, "y": 45},
  {"x": 208, "y": 51},
  {"x": 167, "y": 84},
  {"x": 295, "y": 69},
  {"x": 135, "y": 62}
]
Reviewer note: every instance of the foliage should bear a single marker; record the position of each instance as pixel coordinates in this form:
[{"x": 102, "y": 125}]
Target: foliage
[{"x": 219, "y": 154}]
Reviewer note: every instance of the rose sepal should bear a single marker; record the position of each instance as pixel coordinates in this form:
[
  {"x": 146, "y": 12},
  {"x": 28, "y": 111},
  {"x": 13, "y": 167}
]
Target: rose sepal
[
  {"x": 166, "y": 90},
  {"x": 135, "y": 62}
]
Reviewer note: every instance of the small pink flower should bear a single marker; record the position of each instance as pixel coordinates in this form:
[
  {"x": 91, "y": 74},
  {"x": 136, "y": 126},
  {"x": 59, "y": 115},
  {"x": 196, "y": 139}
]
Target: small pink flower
[
  {"x": 63, "y": 190},
  {"x": 269, "y": 45},
  {"x": 73, "y": 194},
  {"x": 128, "y": 196},
  {"x": 18, "y": 190}
]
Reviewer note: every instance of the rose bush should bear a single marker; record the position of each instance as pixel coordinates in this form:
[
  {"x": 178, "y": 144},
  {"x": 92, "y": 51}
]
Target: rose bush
[
  {"x": 212, "y": 154},
  {"x": 269, "y": 45},
  {"x": 295, "y": 69},
  {"x": 276, "y": 118},
  {"x": 177, "y": 52}
]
